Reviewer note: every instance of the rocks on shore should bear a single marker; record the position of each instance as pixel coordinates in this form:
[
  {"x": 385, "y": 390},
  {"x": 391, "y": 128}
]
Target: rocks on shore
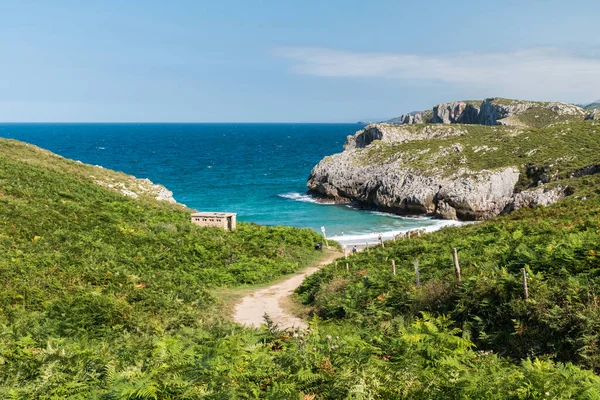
[
  {"x": 375, "y": 171},
  {"x": 465, "y": 195}
]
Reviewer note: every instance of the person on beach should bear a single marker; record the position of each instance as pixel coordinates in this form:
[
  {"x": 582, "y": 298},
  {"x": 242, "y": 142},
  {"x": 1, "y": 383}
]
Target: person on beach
[{"x": 354, "y": 249}]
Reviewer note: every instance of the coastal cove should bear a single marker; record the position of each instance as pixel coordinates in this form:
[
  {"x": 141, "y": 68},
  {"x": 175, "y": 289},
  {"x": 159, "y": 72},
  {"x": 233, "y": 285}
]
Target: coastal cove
[{"x": 258, "y": 171}]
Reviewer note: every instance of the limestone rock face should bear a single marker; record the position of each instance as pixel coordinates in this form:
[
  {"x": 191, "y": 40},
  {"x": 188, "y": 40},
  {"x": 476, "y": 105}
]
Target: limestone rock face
[
  {"x": 534, "y": 197},
  {"x": 565, "y": 109},
  {"x": 411, "y": 118},
  {"x": 392, "y": 184},
  {"x": 492, "y": 111},
  {"x": 373, "y": 173},
  {"x": 457, "y": 112},
  {"x": 594, "y": 115},
  {"x": 495, "y": 111},
  {"x": 483, "y": 195},
  {"x": 134, "y": 187},
  {"x": 397, "y": 133},
  {"x": 400, "y": 189}
]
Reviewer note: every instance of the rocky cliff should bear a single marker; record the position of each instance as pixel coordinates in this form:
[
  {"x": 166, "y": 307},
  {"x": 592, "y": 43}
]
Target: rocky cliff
[
  {"x": 594, "y": 115},
  {"x": 496, "y": 111},
  {"x": 459, "y": 171}
]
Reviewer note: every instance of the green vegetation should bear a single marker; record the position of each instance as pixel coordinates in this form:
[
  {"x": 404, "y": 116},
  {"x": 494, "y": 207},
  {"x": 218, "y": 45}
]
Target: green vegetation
[
  {"x": 559, "y": 149},
  {"x": 558, "y": 246},
  {"x": 512, "y": 102},
  {"x": 474, "y": 103},
  {"x": 539, "y": 117},
  {"x": 88, "y": 269},
  {"x": 427, "y": 116},
  {"x": 109, "y": 297}
]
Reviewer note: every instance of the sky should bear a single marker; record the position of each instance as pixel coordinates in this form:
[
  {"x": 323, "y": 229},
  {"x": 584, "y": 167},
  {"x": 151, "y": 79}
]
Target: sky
[{"x": 287, "y": 61}]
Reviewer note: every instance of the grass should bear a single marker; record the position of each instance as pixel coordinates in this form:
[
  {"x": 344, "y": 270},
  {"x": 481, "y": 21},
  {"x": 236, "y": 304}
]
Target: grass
[
  {"x": 107, "y": 297},
  {"x": 538, "y": 117},
  {"x": 562, "y": 148},
  {"x": 66, "y": 237},
  {"x": 557, "y": 245},
  {"x": 511, "y": 102}
]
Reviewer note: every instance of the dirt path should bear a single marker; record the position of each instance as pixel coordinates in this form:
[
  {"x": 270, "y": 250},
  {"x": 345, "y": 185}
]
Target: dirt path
[{"x": 251, "y": 309}]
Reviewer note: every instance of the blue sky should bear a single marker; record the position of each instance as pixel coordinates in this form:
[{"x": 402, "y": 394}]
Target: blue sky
[{"x": 295, "y": 61}]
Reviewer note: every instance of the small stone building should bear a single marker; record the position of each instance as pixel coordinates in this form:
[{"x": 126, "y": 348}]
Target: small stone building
[{"x": 217, "y": 219}]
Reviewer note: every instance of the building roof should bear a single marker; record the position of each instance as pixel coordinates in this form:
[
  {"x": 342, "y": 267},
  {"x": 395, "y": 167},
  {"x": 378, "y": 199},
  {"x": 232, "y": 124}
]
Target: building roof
[{"x": 213, "y": 214}]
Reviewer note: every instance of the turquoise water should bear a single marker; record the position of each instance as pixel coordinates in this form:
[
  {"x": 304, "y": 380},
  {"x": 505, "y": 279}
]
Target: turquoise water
[{"x": 258, "y": 171}]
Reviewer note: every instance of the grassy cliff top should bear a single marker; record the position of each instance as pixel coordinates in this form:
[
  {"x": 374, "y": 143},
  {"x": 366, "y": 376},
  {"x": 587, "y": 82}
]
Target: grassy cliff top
[{"x": 563, "y": 147}]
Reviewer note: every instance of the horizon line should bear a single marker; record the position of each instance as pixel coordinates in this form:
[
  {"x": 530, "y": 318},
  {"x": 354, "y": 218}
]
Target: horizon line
[{"x": 178, "y": 122}]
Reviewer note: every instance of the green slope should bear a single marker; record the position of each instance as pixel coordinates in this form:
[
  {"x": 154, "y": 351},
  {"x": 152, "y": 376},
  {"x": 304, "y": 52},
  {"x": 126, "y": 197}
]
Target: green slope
[
  {"x": 108, "y": 297},
  {"x": 560, "y": 149},
  {"x": 558, "y": 246}
]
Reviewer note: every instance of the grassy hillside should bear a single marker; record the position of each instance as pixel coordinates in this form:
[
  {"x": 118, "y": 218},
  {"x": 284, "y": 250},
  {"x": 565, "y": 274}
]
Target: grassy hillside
[
  {"x": 81, "y": 261},
  {"x": 560, "y": 149},
  {"x": 108, "y": 297},
  {"x": 558, "y": 246}
]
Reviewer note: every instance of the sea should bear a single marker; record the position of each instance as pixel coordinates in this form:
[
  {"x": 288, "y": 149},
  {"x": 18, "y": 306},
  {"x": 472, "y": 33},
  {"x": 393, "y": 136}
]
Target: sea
[{"x": 256, "y": 170}]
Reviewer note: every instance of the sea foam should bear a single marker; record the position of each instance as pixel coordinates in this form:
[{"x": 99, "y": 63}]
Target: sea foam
[{"x": 303, "y": 197}]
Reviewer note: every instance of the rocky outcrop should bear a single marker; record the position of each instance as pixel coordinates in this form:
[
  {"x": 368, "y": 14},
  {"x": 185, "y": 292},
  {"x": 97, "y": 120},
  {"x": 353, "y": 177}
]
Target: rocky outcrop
[
  {"x": 134, "y": 188},
  {"x": 594, "y": 115},
  {"x": 457, "y": 112},
  {"x": 378, "y": 168},
  {"x": 479, "y": 196},
  {"x": 393, "y": 184},
  {"x": 398, "y": 134},
  {"x": 492, "y": 111},
  {"x": 411, "y": 118},
  {"x": 535, "y": 197},
  {"x": 465, "y": 195}
]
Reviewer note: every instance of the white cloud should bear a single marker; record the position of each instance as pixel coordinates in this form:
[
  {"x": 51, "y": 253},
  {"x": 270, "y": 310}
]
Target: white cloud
[{"x": 538, "y": 73}]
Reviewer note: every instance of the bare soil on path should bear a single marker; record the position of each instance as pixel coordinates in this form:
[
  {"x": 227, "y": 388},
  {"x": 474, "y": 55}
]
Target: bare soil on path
[{"x": 270, "y": 300}]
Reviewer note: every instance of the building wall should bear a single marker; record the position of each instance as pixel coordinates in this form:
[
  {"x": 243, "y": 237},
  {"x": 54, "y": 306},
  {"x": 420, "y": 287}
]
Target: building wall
[{"x": 211, "y": 221}]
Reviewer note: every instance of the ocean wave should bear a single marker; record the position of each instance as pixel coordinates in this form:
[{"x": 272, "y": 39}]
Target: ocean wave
[
  {"x": 392, "y": 215},
  {"x": 305, "y": 198},
  {"x": 371, "y": 238}
]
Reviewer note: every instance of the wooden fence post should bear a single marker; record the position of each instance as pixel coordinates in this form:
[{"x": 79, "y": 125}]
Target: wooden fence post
[
  {"x": 347, "y": 268},
  {"x": 417, "y": 280},
  {"x": 456, "y": 265},
  {"x": 394, "y": 267},
  {"x": 525, "y": 289}
]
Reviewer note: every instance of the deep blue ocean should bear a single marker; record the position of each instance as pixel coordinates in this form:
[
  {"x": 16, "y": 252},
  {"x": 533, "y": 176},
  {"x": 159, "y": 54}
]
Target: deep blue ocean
[{"x": 258, "y": 171}]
